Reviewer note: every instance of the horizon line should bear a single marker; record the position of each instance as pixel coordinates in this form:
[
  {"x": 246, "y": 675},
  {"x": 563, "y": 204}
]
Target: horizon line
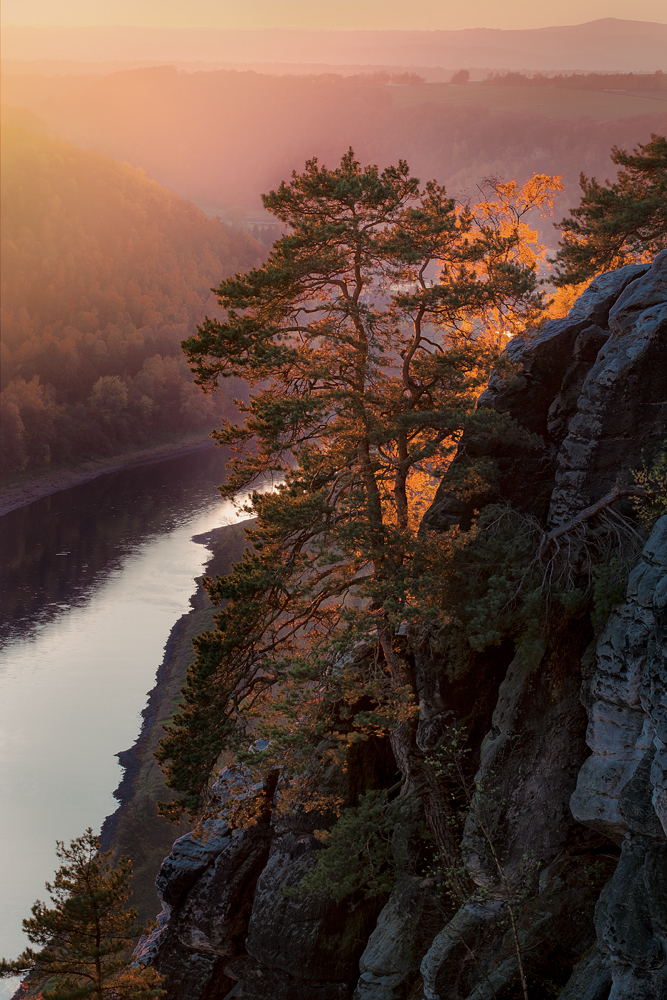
[{"x": 349, "y": 31}]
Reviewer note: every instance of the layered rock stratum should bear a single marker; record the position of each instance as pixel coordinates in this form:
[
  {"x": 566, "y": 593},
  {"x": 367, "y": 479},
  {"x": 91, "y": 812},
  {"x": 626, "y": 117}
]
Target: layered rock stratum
[{"x": 569, "y": 734}]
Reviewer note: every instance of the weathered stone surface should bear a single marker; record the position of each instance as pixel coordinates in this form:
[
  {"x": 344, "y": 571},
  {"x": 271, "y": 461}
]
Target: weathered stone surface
[
  {"x": 628, "y": 698},
  {"x": 623, "y": 392},
  {"x": 404, "y": 931},
  {"x": 528, "y": 768},
  {"x": 256, "y": 982},
  {"x": 307, "y": 938},
  {"x": 207, "y": 886},
  {"x": 580, "y": 384},
  {"x": 475, "y": 954},
  {"x": 210, "y": 891},
  {"x": 599, "y": 298},
  {"x": 215, "y": 918},
  {"x": 529, "y": 763},
  {"x": 621, "y": 788},
  {"x": 193, "y": 975},
  {"x": 194, "y": 941},
  {"x": 545, "y": 357},
  {"x": 590, "y": 980},
  {"x": 190, "y": 856},
  {"x": 585, "y": 384},
  {"x": 586, "y": 349},
  {"x": 631, "y": 919},
  {"x": 449, "y": 963}
]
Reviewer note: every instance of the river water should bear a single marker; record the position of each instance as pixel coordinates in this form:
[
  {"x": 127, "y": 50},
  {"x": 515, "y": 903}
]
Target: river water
[{"x": 93, "y": 580}]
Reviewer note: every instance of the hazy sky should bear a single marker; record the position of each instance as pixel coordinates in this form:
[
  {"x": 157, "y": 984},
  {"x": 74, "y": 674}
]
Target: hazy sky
[{"x": 340, "y": 14}]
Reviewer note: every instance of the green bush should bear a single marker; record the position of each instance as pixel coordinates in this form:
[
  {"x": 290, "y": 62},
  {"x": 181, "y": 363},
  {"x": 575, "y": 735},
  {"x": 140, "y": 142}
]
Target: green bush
[{"x": 362, "y": 850}]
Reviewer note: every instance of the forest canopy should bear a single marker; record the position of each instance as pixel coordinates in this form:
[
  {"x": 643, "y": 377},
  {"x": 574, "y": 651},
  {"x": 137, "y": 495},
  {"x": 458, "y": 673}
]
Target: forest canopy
[{"x": 104, "y": 272}]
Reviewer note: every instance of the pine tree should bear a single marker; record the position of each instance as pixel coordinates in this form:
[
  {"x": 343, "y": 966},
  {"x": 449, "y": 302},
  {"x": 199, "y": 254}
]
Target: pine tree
[
  {"x": 619, "y": 223},
  {"x": 366, "y": 338},
  {"x": 86, "y": 937}
]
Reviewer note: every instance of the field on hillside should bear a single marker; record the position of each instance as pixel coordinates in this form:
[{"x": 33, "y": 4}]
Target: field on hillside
[{"x": 550, "y": 102}]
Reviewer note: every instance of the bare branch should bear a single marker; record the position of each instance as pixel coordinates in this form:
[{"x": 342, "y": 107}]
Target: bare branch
[{"x": 617, "y": 493}]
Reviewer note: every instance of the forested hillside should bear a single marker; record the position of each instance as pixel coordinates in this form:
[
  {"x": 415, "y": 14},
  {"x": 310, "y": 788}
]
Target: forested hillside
[
  {"x": 221, "y": 138},
  {"x": 104, "y": 272}
]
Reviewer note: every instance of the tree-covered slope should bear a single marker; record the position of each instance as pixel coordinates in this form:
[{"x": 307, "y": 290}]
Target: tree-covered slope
[
  {"x": 221, "y": 138},
  {"x": 104, "y": 272}
]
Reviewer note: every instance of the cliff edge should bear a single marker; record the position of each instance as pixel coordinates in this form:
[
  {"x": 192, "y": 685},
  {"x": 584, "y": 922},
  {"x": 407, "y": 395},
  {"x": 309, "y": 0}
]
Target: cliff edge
[{"x": 564, "y": 837}]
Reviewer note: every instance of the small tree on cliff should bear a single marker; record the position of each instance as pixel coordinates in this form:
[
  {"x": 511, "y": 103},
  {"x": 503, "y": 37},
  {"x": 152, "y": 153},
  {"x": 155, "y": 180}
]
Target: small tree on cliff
[
  {"x": 367, "y": 337},
  {"x": 619, "y": 223},
  {"x": 86, "y": 937}
]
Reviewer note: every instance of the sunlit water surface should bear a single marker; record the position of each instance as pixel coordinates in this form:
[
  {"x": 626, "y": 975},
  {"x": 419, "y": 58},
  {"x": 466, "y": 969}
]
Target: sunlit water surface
[{"x": 94, "y": 579}]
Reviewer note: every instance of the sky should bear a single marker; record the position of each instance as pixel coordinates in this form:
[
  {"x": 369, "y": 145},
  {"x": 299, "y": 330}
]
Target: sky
[{"x": 341, "y": 14}]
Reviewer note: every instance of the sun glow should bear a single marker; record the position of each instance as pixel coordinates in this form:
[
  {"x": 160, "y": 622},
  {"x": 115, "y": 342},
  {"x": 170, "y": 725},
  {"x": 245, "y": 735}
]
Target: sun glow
[{"x": 345, "y": 15}]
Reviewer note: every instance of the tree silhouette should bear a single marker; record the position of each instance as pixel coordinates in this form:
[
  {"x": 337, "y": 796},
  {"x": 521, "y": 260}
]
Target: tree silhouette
[
  {"x": 86, "y": 937},
  {"x": 367, "y": 338},
  {"x": 617, "y": 223}
]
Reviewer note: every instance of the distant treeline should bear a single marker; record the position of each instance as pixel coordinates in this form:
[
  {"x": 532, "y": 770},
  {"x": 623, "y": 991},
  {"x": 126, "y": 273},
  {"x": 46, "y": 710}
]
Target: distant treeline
[
  {"x": 401, "y": 79},
  {"x": 104, "y": 272},
  {"x": 645, "y": 82}
]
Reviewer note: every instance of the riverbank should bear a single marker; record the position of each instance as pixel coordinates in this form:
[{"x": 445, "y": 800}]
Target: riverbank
[
  {"x": 135, "y": 829},
  {"x": 22, "y": 490}
]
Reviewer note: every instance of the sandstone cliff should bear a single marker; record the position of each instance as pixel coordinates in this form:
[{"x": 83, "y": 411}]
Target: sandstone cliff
[{"x": 569, "y": 734}]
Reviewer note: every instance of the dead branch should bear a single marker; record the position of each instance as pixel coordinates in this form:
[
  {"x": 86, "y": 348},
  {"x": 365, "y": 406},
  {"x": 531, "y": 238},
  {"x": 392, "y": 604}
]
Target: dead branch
[{"x": 617, "y": 493}]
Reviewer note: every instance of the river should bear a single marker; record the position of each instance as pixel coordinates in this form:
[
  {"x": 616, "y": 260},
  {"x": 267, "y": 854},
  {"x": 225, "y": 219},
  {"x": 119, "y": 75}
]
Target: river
[{"x": 93, "y": 579}]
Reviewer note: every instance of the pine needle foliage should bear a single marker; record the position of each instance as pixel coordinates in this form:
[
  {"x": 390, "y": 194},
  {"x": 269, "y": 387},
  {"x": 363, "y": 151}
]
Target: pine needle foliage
[
  {"x": 366, "y": 339},
  {"x": 617, "y": 223},
  {"x": 86, "y": 937},
  {"x": 653, "y": 482},
  {"x": 490, "y": 583},
  {"x": 501, "y": 580},
  {"x": 362, "y": 851}
]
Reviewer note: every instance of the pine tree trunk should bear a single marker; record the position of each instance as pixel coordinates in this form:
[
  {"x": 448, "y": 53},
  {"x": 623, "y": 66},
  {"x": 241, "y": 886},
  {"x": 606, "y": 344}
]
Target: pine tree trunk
[{"x": 421, "y": 778}]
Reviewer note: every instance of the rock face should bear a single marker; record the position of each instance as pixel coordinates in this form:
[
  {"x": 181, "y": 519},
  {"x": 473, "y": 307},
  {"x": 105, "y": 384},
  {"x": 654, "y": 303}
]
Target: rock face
[
  {"x": 206, "y": 886},
  {"x": 569, "y": 738},
  {"x": 404, "y": 930},
  {"x": 622, "y": 787},
  {"x": 622, "y": 408},
  {"x": 229, "y": 929}
]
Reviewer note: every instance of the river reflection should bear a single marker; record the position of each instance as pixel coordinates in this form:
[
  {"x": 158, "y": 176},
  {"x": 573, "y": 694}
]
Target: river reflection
[
  {"x": 95, "y": 577},
  {"x": 55, "y": 551}
]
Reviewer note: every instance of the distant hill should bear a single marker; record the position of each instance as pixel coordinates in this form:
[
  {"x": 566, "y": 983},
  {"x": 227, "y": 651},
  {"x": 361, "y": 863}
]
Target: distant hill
[
  {"x": 604, "y": 44},
  {"x": 221, "y": 138},
  {"x": 104, "y": 272}
]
